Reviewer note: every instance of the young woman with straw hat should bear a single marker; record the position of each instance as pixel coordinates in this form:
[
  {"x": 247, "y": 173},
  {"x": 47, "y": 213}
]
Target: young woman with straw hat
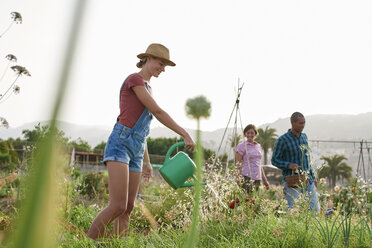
[{"x": 126, "y": 153}]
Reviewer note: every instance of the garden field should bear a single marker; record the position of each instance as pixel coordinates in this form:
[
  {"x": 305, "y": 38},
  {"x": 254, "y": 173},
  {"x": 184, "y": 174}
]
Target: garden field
[{"x": 162, "y": 216}]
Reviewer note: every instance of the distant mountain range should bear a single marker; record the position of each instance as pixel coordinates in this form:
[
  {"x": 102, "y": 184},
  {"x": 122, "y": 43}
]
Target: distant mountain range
[
  {"x": 332, "y": 127},
  {"x": 318, "y": 127}
]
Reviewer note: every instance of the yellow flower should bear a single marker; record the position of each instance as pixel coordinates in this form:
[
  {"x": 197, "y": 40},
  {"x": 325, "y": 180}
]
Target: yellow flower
[
  {"x": 336, "y": 188},
  {"x": 322, "y": 180}
]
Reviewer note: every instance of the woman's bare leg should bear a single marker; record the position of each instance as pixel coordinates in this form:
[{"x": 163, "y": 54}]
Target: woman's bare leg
[
  {"x": 118, "y": 179},
  {"x": 121, "y": 223}
]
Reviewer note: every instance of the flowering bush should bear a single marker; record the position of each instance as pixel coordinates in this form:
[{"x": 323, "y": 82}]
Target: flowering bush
[{"x": 353, "y": 197}]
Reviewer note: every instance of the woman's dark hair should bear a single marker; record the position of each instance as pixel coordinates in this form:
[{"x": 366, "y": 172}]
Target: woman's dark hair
[
  {"x": 250, "y": 126},
  {"x": 142, "y": 62}
]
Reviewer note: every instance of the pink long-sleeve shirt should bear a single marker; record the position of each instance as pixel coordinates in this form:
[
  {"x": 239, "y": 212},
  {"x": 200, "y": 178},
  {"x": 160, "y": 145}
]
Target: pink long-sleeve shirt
[{"x": 253, "y": 170}]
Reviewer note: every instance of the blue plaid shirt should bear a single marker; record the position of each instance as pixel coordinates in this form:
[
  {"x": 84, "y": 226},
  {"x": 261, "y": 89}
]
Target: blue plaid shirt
[{"x": 290, "y": 149}]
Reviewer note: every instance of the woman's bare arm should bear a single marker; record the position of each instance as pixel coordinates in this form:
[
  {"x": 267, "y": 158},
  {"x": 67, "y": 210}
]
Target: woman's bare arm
[{"x": 149, "y": 102}]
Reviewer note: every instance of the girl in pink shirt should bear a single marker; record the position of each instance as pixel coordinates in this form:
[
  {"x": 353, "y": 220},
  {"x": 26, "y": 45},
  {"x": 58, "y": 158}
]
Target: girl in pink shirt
[{"x": 248, "y": 161}]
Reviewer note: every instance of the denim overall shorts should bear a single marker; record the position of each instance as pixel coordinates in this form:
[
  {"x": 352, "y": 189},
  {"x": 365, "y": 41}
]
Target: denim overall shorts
[{"x": 127, "y": 145}]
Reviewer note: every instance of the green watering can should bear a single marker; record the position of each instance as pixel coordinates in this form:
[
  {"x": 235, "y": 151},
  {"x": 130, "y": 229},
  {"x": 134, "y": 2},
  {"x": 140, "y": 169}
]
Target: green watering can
[{"x": 178, "y": 169}]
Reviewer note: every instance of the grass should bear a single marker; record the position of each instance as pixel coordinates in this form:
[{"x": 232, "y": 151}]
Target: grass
[
  {"x": 262, "y": 224},
  {"x": 263, "y": 231}
]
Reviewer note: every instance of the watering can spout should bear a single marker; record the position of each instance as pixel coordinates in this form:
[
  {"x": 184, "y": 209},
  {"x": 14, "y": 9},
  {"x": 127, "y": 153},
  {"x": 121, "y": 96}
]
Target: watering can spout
[{"x": 178, "y": 169}]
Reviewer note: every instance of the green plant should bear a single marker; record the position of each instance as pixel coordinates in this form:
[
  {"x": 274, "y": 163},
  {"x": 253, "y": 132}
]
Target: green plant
[
  {"x": 92, "y": 185},
  {"x": 4, "y": 158},
  {"x": 34, "y": 227},
  {"x": 346, "y": 228},
  {"x": 262, "y": 224},
  {"x": 328, "y": 233},
  {"x": 197, "y": 108},
  {"x": 82, "y": 217}
]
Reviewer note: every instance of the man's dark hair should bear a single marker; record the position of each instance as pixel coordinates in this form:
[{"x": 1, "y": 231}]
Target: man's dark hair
[{"x": 295, "y": 116}]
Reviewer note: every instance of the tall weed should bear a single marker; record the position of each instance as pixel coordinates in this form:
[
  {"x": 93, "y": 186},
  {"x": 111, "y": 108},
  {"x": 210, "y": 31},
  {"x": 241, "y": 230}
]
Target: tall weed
[{"x": 36, "y": 224}]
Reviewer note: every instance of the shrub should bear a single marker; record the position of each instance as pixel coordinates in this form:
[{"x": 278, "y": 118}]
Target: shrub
[
  {"x": 82, "y": 217},
  {"x": 93, "y": 185},
  {"x": 4, "y": 158}
]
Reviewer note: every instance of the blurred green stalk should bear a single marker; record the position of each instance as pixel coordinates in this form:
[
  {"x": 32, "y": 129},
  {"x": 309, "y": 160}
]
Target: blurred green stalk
[
  {"x": 35, "y": 225},
  {"x": 193, "y": 236}
]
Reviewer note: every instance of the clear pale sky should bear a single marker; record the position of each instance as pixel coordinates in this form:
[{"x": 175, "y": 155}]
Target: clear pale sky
[{"x": 309, "y": 56}]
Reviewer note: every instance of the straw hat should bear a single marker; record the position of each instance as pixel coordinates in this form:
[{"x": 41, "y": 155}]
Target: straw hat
[{"x": 158, "y": 51}]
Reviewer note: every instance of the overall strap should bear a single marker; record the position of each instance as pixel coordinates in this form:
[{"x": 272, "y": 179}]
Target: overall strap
[
  {"x": 146, "y": 113},
  {"x": 121, "y": 88}
]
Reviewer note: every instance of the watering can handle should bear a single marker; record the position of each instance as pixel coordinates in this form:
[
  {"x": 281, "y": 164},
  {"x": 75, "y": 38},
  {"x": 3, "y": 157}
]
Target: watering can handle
[
  {"x": 186, "y": 185},
  {"x": 191, "y": 184},
  {"x": 171, "y": 150}
]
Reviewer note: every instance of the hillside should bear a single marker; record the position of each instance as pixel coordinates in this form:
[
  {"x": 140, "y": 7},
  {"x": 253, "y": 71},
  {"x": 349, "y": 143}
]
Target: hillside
[{"x": 323, "y": 127}]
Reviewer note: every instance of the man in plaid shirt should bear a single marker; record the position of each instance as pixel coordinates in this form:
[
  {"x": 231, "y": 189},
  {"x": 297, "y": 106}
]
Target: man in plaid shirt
[{"x": 291, "y": 152}]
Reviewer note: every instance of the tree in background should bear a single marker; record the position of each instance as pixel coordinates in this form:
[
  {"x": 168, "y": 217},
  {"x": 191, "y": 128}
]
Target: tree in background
[
  {"x": 234, "y": 140},
  {"x": 19, "y": 145},
  {"x": 223, "y": 158},
  {"x": 335, "y": 169},
  {"x": 160, "y": 146},
  {"x": 100, "y": 148},
  {"x": 7, "y": 153},
  {"x": 266, "y": 138},
  {"x": 80, "y": 145},
  {"x": 32, "y": 137}
]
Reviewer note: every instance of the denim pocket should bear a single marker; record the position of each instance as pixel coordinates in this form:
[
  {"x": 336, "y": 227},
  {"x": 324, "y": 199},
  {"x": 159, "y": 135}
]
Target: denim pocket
[
  {"x": 124, "y": 135},
  {"x": 112, "y": 141}
]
